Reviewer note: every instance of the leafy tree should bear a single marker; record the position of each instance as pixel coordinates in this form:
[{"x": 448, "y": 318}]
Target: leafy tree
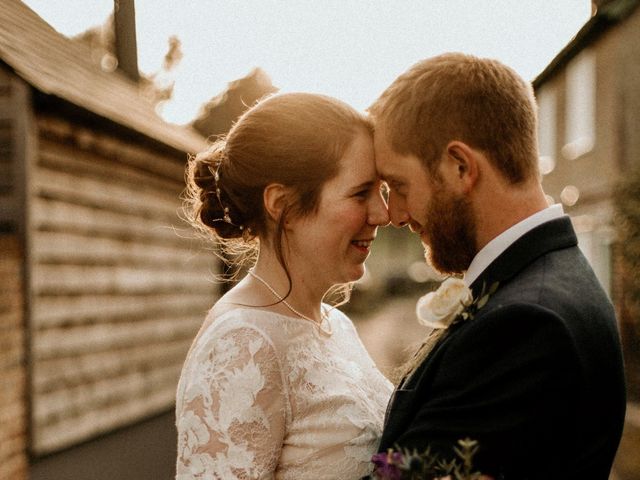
[{"x": 627, "y": 206}]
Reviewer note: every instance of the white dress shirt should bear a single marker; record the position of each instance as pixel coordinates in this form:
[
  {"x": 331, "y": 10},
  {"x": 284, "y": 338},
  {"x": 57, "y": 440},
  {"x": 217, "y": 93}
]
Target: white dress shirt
[{"x": 495, "y": 247}]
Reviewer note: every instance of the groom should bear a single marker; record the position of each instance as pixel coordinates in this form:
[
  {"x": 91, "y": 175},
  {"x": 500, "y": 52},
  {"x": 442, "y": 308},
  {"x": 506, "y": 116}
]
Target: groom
[{"x": 536, "y": 375}]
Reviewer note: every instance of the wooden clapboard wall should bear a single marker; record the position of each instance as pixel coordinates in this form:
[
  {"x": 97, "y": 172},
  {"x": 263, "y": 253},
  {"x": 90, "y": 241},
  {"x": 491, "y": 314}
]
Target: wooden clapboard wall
[
  {"x": 117, "y": 292},
  {"x": 7, "y": 176}
]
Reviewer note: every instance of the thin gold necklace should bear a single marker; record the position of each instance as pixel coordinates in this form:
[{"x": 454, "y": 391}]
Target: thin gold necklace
[{"x": 288, "y": 305}]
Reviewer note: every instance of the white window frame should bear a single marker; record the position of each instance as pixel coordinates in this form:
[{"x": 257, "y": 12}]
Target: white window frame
[{"x": 580, "y": 107}]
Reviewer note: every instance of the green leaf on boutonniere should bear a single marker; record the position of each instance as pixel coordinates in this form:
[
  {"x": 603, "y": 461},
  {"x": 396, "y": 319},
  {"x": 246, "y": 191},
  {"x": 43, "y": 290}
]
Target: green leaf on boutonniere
[{"x": 480, "y": 301}]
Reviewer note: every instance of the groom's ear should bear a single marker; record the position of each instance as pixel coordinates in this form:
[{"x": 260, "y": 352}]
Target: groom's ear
[{"x": 461, "y": 166}]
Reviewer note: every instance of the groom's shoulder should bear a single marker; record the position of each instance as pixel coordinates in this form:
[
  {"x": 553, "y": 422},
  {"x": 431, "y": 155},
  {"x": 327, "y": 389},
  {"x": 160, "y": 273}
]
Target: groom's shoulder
[
  {"x": 557, "y": 278},
  {"x": 560, "y": 287}
]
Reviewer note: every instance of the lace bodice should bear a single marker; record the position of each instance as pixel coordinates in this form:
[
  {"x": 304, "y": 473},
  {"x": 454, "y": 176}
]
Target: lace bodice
[{"x": 263, "y": 395}]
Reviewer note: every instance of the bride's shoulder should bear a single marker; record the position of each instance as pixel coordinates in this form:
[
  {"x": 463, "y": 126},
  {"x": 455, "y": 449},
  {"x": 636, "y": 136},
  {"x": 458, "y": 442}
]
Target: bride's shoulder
[
  {"x": 225, "y": 316},
  {"x": 226, "y": 319},
  {"x": 226, "y": 327},
  {"x": 235, "y": 305},
  {"x": 339, "y": 318}
]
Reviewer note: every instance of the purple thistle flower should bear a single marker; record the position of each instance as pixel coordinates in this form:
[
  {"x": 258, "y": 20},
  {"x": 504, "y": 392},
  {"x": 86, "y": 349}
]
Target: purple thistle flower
[{"x": 386, "y": 465}]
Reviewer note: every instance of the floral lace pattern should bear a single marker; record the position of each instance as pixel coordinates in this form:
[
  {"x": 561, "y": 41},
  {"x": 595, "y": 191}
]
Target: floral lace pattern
[{"x": 264, "y": 395}]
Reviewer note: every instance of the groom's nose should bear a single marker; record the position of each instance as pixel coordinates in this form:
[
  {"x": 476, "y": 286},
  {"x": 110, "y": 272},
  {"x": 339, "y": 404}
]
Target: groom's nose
[
  {"x": 398, "y": 215},
  {"x": 399, "y": 223}
]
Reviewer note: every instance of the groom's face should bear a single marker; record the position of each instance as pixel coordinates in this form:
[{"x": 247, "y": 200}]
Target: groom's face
[
  {"x": 451, "y": 225},
  {"x": 443, "y": 219}
]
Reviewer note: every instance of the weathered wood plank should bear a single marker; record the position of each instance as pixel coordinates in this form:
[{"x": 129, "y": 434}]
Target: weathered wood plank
[
  {"x": 60, "y": 216},
  {"x": 83, "y": 339},
  {"x": 95, "y": 193},
  {"x": 88, "y": 279},
  {"x": 70, "y": 403},
  {"x": 76, "y": 310},
  {"x": 59, "y": 130},
  {"x": 62, "y": 247},
  {"x": 131, "y": 400},
  {"x": 62, "y": 372},
  {"x": 63, "y": 157}
]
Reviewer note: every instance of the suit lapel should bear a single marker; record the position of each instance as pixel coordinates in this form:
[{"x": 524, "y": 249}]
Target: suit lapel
[
  {"x": 399, "y": 411},
  {"x": 553, "y": 235}
]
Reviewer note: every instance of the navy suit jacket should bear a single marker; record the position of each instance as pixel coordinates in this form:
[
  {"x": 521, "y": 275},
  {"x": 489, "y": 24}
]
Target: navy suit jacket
[{"x": 536, "y": 377}]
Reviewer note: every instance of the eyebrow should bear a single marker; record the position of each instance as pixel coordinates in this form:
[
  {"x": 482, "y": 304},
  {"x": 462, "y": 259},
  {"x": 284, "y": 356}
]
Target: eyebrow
[
  {"x": 390, "y": 178},
  {"x": 364, "y": 186}
]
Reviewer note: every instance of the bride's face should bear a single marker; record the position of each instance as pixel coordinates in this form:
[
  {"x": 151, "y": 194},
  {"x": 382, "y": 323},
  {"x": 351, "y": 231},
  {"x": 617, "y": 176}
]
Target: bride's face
[{"x": 331, "y": 244}]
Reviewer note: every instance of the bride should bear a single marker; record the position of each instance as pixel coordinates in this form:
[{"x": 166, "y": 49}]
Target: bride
[{"x": 277, "y": 383}]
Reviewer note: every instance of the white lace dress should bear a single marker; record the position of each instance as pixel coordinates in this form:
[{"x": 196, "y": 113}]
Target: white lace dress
[{"x": 265, "y": 396}]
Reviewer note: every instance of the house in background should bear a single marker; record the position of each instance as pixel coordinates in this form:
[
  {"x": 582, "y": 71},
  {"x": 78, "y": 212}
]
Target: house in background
[
  {"x": 217, "y": 116},
  {"x": 589, "y": 136},
  {"x": 102, "y": 289}
]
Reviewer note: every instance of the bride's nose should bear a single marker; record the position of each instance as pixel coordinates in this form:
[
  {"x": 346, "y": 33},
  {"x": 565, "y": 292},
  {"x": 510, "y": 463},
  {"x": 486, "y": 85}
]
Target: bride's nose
[{"x": 378, "y": 213}]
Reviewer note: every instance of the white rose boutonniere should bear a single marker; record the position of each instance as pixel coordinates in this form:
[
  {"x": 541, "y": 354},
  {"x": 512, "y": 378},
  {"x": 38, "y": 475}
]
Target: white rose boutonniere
[
  {"x": 451, "y": 302},
  {"x": 438, "y": 309}
]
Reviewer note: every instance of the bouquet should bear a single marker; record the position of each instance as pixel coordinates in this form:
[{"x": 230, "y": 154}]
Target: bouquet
[{"x": 412, "y": 465}]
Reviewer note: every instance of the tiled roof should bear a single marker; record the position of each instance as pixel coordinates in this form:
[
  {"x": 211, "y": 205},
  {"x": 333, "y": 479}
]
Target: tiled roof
[{"x": 57, "y": 66}]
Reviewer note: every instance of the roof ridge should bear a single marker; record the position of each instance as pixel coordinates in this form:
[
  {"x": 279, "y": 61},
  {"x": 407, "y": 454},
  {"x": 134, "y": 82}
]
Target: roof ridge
[{"x": 58, "y": 66}]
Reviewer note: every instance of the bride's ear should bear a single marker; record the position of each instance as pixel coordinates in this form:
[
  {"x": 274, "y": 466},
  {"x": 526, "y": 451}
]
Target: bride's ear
[
  {"x": 275, "y": 198},
  {"x": 461, "y": 166}
]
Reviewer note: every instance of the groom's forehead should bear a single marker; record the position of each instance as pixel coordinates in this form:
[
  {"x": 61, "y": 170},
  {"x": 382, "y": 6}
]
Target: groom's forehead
[
  {"x": 383, "y": 151},
  {"x": 381, "y": 138}
]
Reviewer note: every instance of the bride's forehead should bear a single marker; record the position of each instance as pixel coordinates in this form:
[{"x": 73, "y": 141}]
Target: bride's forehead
[{"x": 353, "y": 173}]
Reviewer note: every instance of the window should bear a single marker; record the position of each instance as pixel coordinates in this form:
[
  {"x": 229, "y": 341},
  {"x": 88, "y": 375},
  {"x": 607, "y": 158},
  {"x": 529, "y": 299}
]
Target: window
[
  {"x": 547, "y": 129},
  {"x": 580, "y": 106}
]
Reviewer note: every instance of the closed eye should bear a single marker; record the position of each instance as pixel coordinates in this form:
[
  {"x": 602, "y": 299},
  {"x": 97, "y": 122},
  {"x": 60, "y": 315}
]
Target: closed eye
[
  {"x": 362, "y": 193},
  {"x": 363, "y": 190},
  {"x": 396, "y": 187}
]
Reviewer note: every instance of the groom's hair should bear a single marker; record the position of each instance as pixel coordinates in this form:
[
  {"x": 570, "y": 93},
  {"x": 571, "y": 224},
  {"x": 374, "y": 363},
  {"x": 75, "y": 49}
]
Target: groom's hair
[{"x": 455, "y": 96}]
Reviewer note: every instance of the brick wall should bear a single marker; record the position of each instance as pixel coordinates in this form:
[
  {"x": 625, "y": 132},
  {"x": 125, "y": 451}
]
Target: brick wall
[{"x": 13, "y": 459}]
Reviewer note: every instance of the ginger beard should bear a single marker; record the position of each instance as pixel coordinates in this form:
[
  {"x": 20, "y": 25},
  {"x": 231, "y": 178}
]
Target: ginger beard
[{"x": 451, "y": 230}]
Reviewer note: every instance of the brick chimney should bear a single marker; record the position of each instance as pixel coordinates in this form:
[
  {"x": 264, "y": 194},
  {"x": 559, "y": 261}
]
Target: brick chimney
[{"x": 124, "y": 15}]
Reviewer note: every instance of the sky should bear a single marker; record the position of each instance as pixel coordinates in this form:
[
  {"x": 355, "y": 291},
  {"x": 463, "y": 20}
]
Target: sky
[{"x": 349, "y": 49}]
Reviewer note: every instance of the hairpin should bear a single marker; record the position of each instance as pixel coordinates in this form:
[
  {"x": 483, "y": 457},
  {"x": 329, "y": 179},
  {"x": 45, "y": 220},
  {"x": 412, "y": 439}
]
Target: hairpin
[{"x": 226, "y": 217}]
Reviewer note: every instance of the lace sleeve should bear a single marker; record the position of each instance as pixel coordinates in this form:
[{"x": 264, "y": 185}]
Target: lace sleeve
[{"x": 232, "y": 415}]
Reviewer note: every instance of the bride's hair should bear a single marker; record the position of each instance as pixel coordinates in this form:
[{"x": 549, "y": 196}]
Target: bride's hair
[{"x": 293, "y": 139}]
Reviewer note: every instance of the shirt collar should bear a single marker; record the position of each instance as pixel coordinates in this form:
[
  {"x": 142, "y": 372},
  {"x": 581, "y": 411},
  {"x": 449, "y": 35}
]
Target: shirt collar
[{"x": 499, "y": 244}]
